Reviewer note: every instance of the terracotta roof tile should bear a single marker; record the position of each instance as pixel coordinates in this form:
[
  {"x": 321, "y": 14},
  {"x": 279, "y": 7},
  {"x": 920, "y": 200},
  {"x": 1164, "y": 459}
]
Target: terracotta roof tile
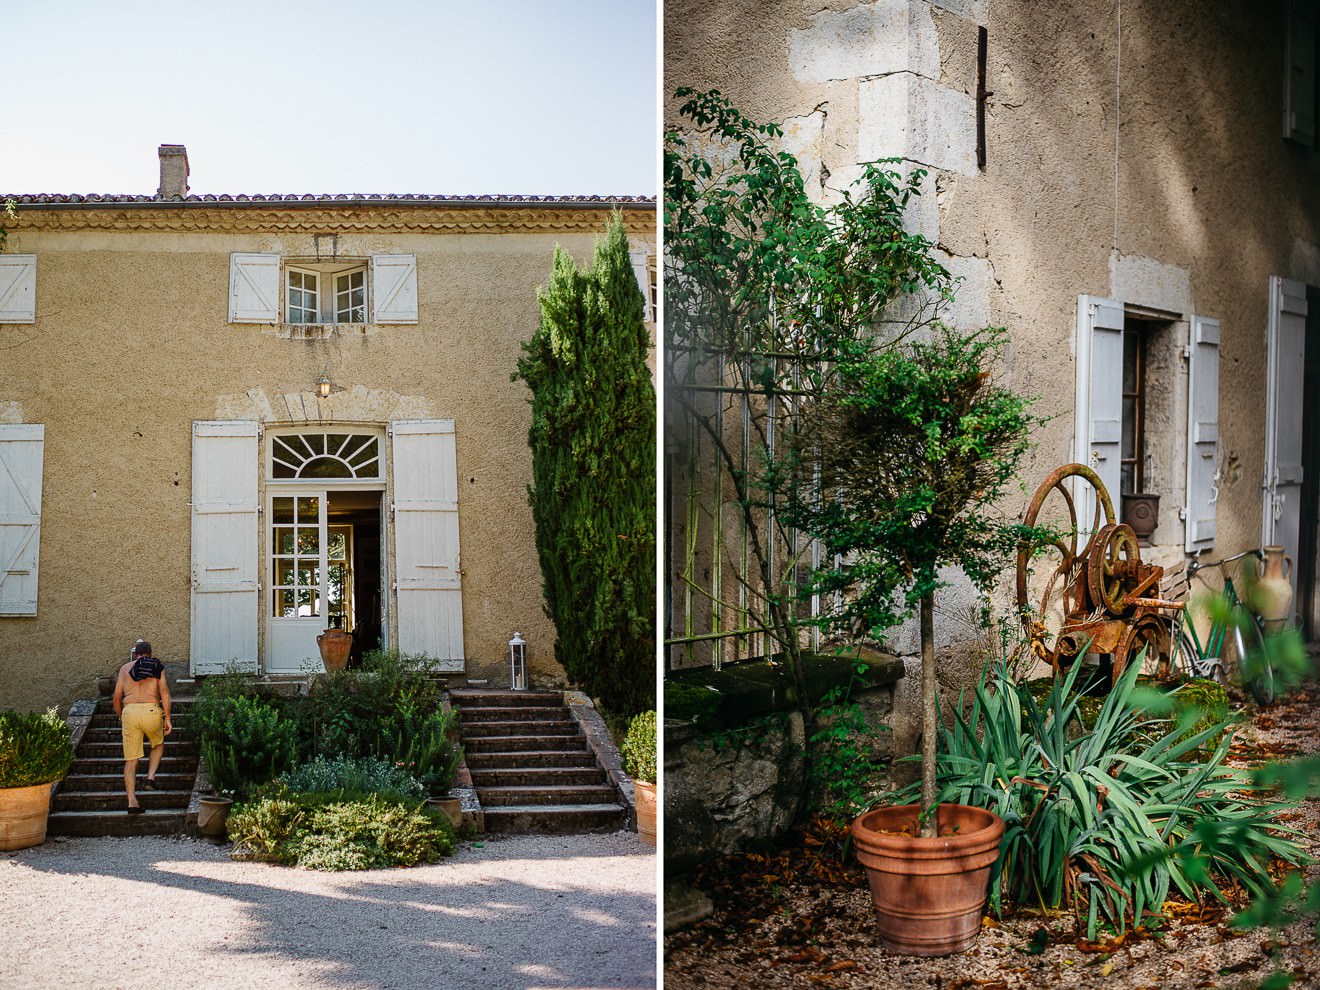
[{"x": 56, "y": 199}]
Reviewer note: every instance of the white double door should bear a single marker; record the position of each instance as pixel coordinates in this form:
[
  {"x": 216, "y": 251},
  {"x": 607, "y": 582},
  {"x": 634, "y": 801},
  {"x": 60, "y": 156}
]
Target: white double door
[{"x": 310, "y": 577}]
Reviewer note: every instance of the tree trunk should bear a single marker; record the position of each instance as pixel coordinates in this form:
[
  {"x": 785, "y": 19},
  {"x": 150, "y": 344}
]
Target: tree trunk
[{"x": 928, "y": 725}]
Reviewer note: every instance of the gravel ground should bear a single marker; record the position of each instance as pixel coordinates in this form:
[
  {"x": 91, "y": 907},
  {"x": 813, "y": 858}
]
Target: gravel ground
[
  {"x": 778, "y": 925},
  {"x": 507, "y": 912}
]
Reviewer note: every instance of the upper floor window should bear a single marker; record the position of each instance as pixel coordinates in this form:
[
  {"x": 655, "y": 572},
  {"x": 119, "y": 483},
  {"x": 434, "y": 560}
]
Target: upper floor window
[
  {"x": 327, "y": 295},
  {"x": 271, "y": 288}
]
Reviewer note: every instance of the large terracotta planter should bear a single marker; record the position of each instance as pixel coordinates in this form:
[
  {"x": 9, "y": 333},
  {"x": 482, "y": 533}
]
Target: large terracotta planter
[
  {"x": 335, "y": 645},
  {"x": 1271, "y": 593},
  {"x": 644, "y": 794},
  {"x": 928, "y": 893},
  {"x": 450, "y": 807},
  {"x": 212, "y": 817},
  {"x": 23, "y": 813}
]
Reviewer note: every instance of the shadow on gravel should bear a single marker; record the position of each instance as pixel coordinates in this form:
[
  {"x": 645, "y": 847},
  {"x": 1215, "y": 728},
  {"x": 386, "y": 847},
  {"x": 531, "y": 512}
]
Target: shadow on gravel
[{"x": 421, "y": 927}]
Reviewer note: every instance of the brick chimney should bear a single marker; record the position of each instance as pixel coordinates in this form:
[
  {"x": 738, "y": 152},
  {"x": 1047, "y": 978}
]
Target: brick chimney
[{"x": 173, "y": 172}]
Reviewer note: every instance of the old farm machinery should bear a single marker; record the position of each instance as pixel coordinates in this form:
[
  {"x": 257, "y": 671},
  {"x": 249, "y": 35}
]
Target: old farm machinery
[{"x": 1084, "y": 588}]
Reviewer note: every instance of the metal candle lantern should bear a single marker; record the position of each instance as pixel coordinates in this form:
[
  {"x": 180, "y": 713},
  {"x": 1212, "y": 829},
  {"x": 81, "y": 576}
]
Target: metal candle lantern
[{"x": 518, "y": 662}]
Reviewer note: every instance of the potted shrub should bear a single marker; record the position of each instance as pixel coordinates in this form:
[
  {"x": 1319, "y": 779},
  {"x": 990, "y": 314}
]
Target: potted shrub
[
  {"x": 639, "y": 756},
  {"x": 35, "y": 751},
  {"x": 913, "y": 445}
]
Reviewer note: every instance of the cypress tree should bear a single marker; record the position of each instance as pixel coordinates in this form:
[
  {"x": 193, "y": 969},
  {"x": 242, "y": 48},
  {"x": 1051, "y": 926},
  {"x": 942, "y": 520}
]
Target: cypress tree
[{"x": 593, "y": 473}]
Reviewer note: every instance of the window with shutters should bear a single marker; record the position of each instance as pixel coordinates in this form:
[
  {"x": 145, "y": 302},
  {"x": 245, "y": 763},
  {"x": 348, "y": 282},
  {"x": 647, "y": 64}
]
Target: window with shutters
[
  {"x": 21, "y": 447},
  {"x": 319, "y": 293},
  {"x": 1142, "y": 375},
  {"x": 274, "y": 289},
  {"x": 18, "y": 288}
]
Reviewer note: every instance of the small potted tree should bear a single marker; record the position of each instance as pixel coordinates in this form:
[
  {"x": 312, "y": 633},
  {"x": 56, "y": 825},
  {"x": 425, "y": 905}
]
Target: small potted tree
[
  {"x": 35, "y": 751},
  {"x": 639, "y": 757},
  {"x": 899, "y": 466}
]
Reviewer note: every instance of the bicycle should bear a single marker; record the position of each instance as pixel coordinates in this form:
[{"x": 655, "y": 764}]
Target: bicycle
[{"x": 1190, "y": 657}]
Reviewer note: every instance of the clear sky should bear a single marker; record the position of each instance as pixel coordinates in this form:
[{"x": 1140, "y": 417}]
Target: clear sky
[{"x": 328, "y": 96}]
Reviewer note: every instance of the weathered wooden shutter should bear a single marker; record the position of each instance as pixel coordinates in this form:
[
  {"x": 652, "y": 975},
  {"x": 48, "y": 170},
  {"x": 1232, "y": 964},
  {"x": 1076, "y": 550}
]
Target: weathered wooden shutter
[
  {"x": 18, "y": 288},
  {"x": 1202, "y": 433},
  {"x": 393, "y": 288},
  {"x": 426, "y": 557},
  {"x": 643, "y": 274},
  {"x": 1285, "y": 374},
  {"x": 1299, "y": 78},
  {"x": 225, "y": 536},
  {"x": 254, "y": 288},
  {"x": 1099, "y": 415},
  {"x": 21, "y": 448}
]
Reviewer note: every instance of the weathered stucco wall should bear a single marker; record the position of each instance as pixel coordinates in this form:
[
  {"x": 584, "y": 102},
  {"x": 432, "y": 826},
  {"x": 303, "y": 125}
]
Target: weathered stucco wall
[
  {"x": 1161, "y": 180},
  {"x": 132, "y": 344}
]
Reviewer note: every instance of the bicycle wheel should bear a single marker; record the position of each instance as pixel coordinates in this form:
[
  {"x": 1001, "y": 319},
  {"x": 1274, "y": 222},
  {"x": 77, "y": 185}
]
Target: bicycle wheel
[
  {"x": 1253, "y": 661},
  {"x": 1188, "y": 662}
]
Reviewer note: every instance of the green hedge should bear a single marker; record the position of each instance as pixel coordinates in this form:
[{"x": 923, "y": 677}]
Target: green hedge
[{"x": 35, "y": 748}]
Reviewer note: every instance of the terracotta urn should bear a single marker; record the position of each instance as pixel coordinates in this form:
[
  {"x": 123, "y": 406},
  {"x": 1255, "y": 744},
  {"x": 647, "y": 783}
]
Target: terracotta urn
[
  {"x": 335, "y": 645},
  {"x": 211, "y": 817},
  {"x": 452, "y": 808},
  {"x": 928, "y": 893},
  {"x": 1271, "y": 594},
  {"x": 1141, "y": 511},
  {"x": 23, "y": 814},
  {"x": 645, "y": 796}
]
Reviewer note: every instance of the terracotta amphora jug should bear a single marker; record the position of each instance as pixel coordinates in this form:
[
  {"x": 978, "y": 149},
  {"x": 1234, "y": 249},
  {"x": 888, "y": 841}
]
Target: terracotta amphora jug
[{"x": 1272, "y": 591}]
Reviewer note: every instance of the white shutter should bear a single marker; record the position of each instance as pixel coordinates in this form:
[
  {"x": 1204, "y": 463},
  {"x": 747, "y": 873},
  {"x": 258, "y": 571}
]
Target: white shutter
[
  {"x": 426, "y": 561},
  {"x": 393, "y": 288},
  {"x": 254, "y": 288},
  {"x": 225, "y": 534},
  {"x": 1299, "y": 78},
  {"x": 643, "y": 282},
  {"x": 1285, "y": 371},
  {"x": 20, "y": 516},
  {"x": 1202, "y": 433},
  {"x": 1098, "y": 423},
  {"x": 18, "y": 288}
]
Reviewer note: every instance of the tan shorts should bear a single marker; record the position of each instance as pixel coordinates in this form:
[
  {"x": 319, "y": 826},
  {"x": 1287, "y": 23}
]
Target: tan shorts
[{"x": 142, "y": 719}]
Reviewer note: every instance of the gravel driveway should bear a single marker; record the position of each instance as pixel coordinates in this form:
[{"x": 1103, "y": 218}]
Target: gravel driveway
[{"x": 507, "y": 912}]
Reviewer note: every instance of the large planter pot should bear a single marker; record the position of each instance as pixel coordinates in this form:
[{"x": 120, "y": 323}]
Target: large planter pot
[
  {"x": 23, "y": 813},
  {"x": 212, "y": 816},
  {"x": 451, "y": 807},
  {"x": 928, "y": 893},
  {"x": 644, "y": 794},
  {"x": 335, "y": 645}
]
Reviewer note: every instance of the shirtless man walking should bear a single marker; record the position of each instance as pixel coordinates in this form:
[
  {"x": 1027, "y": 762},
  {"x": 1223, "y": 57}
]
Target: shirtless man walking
[{"x": 142, "y": 702}]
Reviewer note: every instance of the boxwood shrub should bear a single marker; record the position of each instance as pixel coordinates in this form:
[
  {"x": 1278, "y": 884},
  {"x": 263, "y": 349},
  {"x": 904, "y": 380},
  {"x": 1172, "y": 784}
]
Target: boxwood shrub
[{"x": 35, "y": 748}]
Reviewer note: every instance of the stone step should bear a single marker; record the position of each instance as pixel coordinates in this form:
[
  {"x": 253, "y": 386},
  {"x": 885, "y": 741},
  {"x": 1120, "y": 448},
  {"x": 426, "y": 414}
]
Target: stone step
[
  {"x": 555, "y": 818},
  {"x": 521, "y": 744},
  {"x": 557, "y": 795},
  {"x": 538, "y": 777},
  {"x": 576, "y": 759},
  {"x": 559, "y": 727},
  {"x": 159, "y": 821},
  {"x": 507, "y": 713},
  {"x": 83, "y": 782},
  {"x": 111, "y": 721},
  {"x": 99, "y": 765},
  {"x": 474, "y": 698},
  {"x": 116, "y": 735},
  {"x": 107, "y": 801},
  {"x": 177, "y": 750}
]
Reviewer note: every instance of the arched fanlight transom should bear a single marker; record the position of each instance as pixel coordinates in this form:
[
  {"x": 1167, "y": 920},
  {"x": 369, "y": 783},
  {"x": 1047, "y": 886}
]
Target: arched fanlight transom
[{"x": 325, "y": 455}]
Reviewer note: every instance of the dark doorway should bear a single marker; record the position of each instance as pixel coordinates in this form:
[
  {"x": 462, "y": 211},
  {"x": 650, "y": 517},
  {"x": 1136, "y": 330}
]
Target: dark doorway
[
  {"x": 353, "y": 521},
  {"x": 1309, "y": 541}
]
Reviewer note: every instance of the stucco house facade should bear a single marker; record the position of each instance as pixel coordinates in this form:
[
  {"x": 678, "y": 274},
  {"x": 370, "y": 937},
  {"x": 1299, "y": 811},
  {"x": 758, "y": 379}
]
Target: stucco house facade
[
  {"x": 1130, "y": 189},
  {"x": 229, "y": 423}
]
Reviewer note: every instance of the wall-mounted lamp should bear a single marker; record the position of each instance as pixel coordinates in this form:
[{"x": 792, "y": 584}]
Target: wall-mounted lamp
[
  {"x": 323, "y": 386},
  {"x": 518, "y": 662}
]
